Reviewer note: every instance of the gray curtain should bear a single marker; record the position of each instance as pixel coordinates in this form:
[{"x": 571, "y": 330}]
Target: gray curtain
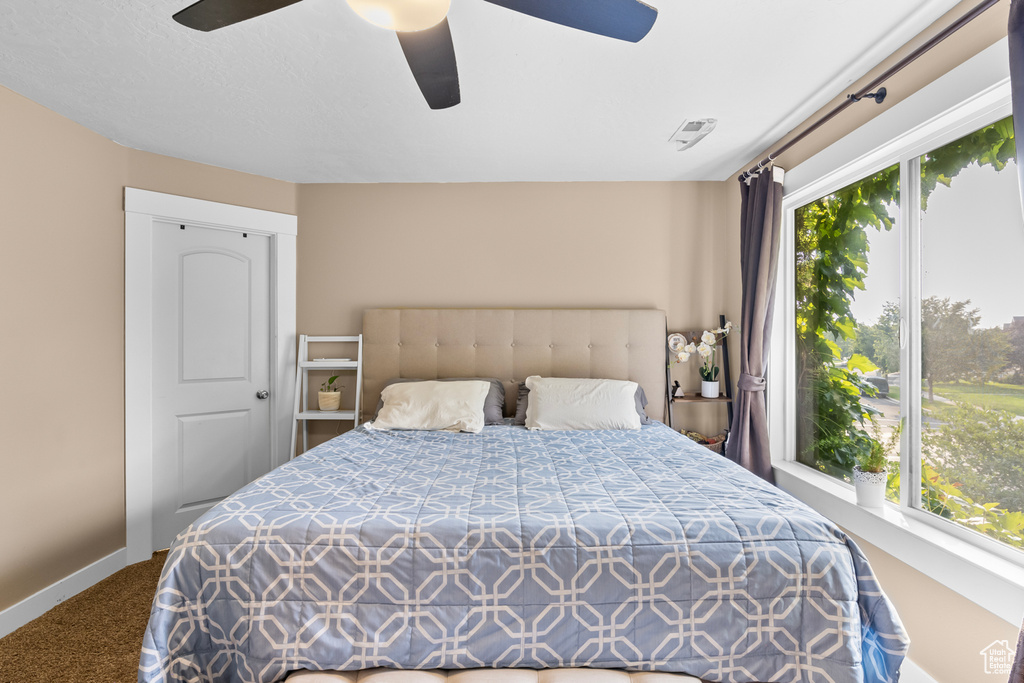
[
  {"x": 1015, "y": 33},
  {"x": 761, "y": 225},
  {"x": 1017, "y": 670}
]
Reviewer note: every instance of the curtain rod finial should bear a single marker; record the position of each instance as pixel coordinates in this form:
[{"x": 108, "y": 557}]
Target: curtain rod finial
[{"x": 878, "y": 96}]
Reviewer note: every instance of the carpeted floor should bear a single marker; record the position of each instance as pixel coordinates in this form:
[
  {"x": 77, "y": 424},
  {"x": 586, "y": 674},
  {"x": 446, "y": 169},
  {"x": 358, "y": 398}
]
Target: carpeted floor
[{"x": 94, "y": 637}]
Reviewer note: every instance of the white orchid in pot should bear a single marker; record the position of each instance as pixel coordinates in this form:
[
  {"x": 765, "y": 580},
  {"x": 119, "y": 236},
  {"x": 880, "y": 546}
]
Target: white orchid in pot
[{"x": 708, "y": 351}]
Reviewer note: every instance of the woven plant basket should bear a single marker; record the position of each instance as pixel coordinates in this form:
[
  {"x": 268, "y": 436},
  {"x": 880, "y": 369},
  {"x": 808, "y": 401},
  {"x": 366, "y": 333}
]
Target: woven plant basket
[
  {"x": 714, "y": 443},
  {"x": 718, "y": 446}
]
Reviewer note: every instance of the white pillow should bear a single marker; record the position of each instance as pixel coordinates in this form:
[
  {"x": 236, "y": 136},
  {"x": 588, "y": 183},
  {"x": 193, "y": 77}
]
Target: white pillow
[
  {"x": 561, "y": 403},
  {"x": 449, "y": 406}
]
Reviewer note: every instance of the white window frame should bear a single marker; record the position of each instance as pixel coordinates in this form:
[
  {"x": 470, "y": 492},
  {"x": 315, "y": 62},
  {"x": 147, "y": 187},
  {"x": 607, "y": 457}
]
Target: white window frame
[{"x": 969, "y": 97}]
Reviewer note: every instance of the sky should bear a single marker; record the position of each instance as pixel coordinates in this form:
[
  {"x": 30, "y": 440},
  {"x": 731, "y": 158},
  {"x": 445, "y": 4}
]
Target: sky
[{"x": 973, "y": 241}]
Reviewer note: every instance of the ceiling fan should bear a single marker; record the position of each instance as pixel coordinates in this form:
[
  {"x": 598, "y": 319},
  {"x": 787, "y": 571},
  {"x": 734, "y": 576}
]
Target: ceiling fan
[{"x": 422, "y": 28}]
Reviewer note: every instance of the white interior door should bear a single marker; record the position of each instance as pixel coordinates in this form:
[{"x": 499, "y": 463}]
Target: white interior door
[{"x": 211, "y": 369}]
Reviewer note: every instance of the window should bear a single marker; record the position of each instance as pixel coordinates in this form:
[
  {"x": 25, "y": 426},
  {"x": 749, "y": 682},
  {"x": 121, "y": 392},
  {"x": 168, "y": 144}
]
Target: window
[
  {"x": 847, "y": 258},
  {"x": 971, "y": 347},
  {"x": 936, "y": 264}
]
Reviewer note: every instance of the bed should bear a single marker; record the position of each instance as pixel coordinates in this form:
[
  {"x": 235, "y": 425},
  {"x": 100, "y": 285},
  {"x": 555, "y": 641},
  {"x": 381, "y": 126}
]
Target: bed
[{"x": 514, "y": 550}]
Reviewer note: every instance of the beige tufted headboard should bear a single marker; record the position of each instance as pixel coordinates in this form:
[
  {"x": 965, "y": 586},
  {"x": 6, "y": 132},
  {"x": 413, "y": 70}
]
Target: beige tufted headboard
[{"x": 512, "y": 344}]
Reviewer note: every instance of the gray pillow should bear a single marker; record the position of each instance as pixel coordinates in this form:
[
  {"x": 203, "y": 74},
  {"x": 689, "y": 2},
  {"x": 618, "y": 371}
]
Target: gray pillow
[
  {"x": 524, "y": 399},
  {"x": 494, "y": 403}
]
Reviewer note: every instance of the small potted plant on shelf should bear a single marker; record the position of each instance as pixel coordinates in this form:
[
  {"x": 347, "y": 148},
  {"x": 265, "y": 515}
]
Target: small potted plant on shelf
[
  {"x": 871, "y": 473},
  {"x": 329, "y": 396},
  {"x": 708, "y": 351}
]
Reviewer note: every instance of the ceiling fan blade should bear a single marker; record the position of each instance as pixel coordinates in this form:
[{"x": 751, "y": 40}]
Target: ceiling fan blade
[
  {"x": 623, "y": 19},
  {"x": 207, "y": 15},
  {"x": 431, "y": 56}
]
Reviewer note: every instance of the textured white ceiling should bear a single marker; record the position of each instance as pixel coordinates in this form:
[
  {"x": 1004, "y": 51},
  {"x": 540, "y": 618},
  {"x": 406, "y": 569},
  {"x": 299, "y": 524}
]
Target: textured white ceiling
[{"x": 311, "y": 93}]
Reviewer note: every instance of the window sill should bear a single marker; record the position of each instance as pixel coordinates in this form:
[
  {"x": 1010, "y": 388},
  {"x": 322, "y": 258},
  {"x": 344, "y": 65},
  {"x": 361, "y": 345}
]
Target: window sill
[{"x": 987, "y": 579}]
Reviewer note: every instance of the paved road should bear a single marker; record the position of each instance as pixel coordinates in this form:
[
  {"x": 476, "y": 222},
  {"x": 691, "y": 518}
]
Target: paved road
[{"x": 890, "y": 412}]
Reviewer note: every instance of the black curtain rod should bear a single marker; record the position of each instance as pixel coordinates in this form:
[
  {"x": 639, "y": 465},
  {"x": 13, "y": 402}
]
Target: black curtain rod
[{"x": 889, "y": 73}]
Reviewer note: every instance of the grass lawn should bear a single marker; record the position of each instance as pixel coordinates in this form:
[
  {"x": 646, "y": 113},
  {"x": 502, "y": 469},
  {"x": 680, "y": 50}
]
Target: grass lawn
[
  {"x": 937, "y": 411},
  {"x": 991, "y": 396}
]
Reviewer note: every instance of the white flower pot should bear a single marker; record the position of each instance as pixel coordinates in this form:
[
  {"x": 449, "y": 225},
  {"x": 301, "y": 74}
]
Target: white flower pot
[
  {"x": 870, "y": 487},
  {"x": 709, "y": 389},
  {"x": 329, "y": 400}
]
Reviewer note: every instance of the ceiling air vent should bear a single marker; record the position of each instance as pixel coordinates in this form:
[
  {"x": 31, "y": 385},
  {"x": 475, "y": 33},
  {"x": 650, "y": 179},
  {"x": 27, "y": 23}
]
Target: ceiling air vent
[{"x": 691, "y": 132}]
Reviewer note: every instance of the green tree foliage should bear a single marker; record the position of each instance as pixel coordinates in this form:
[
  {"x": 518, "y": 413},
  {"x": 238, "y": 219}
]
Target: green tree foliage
[
  {"x": 980, "y": 450},
  {"x": 945, "y": 331},
  {"x": 881, "y": 342},
  {"x": 952, "y": 346},
  {"x": 991, "y": 146},
  {"x": 989, "y": 353},
  {"x": 831, "y": 266},
  {"x": 945, "y": 499},
  {"x": 1015, "y": 353}
]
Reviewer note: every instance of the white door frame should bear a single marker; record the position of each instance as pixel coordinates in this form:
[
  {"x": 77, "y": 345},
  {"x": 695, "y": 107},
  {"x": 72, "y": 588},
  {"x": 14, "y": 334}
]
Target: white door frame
[{"x": 141, "y": 209}]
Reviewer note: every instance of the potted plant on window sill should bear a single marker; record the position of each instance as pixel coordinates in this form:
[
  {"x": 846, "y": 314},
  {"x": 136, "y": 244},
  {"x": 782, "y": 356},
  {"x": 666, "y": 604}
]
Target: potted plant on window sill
[
  {"x": 329, "y": 396},
  {"x": 869, "y": 478},
  {"x": 871, "y": 473}
]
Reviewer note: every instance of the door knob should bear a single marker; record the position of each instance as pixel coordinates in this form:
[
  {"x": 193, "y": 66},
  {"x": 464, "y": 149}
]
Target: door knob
[{"x": 262, "y": 393}]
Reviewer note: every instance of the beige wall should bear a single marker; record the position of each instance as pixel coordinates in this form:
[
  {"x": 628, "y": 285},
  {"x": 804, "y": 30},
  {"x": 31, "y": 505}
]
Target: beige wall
[
  {"x": 947, "y": 630},
  {"x": 62, "y": 317},
  {"x": 62, "y": 482},
  {"x": 658, "y": 245},
  {"x": 159, "y": 173}
]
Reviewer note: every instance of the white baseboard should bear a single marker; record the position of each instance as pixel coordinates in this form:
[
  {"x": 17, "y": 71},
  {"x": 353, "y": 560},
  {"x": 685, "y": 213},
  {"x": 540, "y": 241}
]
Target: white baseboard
[
  {"x": 37, "y": 604},
  {"x": 912, "y": 673}
]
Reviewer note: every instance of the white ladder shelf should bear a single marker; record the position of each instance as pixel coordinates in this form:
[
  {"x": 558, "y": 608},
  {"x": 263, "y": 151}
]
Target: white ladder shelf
[{"x": 302, "y": 412}]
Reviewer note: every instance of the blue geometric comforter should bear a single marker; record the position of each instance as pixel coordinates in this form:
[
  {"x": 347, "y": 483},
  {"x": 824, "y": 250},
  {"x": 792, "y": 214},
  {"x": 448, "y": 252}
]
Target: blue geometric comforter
[{"x": 510, "y": 548}]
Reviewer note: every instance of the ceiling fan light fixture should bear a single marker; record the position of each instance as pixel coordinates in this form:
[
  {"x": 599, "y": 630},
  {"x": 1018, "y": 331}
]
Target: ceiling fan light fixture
[
  {"x": 425, "y": 37},
  {"x": 401, "y": 15}
]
